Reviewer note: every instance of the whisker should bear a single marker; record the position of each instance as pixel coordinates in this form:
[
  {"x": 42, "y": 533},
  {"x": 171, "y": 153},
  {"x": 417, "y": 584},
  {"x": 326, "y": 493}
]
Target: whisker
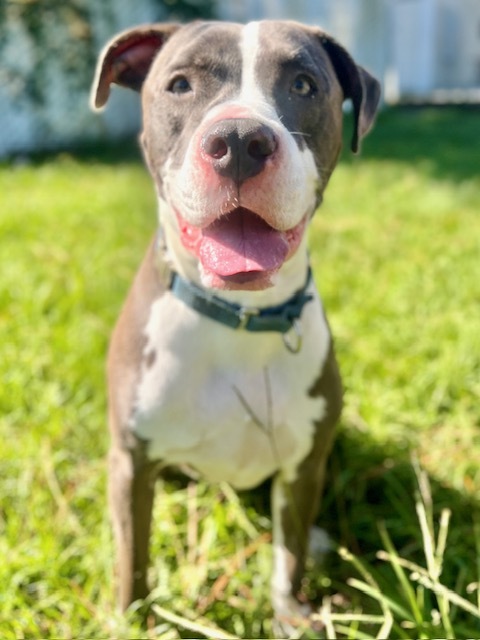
[{"x": 300, "y": 133}]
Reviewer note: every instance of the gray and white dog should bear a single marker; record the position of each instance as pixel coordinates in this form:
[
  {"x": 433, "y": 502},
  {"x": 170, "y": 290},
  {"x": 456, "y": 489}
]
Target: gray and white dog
[{"x": 222, "y": 360}]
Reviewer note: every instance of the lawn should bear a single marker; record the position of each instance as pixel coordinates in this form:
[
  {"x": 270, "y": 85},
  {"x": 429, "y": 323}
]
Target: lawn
[{"x": 396, "y": 254}]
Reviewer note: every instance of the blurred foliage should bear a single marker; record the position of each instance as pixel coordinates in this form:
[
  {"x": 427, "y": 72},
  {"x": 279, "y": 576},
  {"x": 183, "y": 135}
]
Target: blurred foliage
[
  {"x": 189, "y": 9},
  {"x": 58, "y": 33},
  {"x": 54, "y": 30}
]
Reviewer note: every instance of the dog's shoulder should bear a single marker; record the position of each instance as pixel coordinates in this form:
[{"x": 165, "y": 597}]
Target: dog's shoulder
[{"x": 128, "y": 342}]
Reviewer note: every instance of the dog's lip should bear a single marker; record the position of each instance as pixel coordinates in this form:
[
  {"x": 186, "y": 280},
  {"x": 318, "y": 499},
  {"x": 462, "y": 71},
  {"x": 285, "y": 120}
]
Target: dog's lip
[{"x": 251, "y": 280}]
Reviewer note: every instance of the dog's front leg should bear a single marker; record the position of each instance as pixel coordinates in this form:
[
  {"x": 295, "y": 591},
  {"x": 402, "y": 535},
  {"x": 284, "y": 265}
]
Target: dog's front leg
[
  {"x": 294, "y": 508},
  {"x": 131, "y": 491},
  {"x": 295, "y": 504}
]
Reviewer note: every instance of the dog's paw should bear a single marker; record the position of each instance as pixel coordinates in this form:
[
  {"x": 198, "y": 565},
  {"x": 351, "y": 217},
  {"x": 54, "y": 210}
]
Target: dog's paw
[
  {"x": 292, "y": 617},
  {"x": 296, "y": 624}
]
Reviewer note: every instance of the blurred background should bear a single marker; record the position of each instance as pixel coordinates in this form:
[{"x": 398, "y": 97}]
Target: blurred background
[{"x": 424, "y": 51}]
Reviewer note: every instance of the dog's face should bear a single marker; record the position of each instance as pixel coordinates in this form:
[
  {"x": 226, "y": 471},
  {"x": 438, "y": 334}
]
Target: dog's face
[{"x": 242, "y": 129}]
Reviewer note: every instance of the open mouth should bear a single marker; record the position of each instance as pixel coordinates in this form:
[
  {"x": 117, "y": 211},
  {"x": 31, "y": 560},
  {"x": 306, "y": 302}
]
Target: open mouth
[
  {"x": 240, "y": 248},
  {"x": 241, "y": 242}
]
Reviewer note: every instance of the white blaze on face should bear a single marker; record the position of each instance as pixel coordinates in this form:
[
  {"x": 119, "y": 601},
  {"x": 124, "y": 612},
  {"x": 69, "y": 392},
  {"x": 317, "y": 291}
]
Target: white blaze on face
[
  {"x": 251, "y": 92},
  {"x": 300, "y": 175}
]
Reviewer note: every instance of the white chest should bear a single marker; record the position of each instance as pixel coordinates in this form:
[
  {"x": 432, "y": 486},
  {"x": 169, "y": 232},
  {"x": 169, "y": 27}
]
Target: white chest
[{"x": 232, "y": 404}]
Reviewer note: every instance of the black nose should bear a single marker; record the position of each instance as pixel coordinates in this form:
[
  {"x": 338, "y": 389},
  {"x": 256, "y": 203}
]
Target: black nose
[{"x": 238, "y": 148}]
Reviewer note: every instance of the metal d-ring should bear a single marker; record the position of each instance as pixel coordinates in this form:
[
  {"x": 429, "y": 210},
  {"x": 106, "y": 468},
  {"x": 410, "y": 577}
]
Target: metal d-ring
[{"x": 294, "y": 345}]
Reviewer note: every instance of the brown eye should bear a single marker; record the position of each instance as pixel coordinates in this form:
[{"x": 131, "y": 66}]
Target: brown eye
[
  {"x": 179, "y": 85},
  {"x": 303, "y": 86}
]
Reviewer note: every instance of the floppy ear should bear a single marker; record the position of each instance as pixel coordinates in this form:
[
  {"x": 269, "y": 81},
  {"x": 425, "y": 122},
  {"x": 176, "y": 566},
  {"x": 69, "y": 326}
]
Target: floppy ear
[
  {"x": 358, "y": 85},
  {"x": 127, "y": 59}
]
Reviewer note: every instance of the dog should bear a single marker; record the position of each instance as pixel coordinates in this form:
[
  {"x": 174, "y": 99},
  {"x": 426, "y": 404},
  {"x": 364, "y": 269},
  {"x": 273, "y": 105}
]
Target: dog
[{"x": 222, "y": 360}]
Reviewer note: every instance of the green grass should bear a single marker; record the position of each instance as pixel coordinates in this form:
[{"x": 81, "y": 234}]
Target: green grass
[{"x": 396, "y": 250}]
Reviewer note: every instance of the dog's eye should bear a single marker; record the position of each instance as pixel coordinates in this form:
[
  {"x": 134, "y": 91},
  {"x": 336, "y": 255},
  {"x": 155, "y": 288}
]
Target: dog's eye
[
  {"x": 179, "y": 85},
  {"x": 303, "y": 86}
]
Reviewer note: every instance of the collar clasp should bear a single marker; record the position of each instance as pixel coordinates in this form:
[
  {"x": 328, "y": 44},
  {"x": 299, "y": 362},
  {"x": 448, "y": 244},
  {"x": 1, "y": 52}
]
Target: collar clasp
[{"x": 244, "y": 315}]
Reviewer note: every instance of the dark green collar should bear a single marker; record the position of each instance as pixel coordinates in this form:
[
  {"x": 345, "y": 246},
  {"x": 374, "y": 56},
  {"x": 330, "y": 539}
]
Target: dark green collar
[{"x": 281, "y": 318}]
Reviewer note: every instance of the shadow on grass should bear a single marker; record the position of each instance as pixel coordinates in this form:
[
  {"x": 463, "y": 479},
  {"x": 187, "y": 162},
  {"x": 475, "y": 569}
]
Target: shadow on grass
[
  {"x": 371, "y": 485},
  {"x": 444, "y": 140},
  {"x": 105, "y": 152},
  {"x": 111, "y": 153}
]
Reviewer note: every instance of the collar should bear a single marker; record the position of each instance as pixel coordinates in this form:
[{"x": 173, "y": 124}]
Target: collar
[{"x": 281, "y": 318}]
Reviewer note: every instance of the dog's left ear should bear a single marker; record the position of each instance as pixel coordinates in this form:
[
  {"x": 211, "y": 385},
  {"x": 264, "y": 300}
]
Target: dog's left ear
[
  {"x": 127, "y": 58},
  {"x": 358, "y": 85}
]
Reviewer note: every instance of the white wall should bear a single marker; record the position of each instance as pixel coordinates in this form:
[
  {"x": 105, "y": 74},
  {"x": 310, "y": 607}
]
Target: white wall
[
  {"x": 458, "y": 44},
  {"x": 413, "y": 25},
  {"x": 436, "y": 47}
]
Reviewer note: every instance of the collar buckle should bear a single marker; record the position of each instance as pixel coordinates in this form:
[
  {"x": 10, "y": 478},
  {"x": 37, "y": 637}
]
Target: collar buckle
[{"x": 244, "y": 315}]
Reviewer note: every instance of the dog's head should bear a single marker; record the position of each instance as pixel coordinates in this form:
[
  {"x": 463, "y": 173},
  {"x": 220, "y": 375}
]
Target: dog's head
[{"x": 242, "y": 127}]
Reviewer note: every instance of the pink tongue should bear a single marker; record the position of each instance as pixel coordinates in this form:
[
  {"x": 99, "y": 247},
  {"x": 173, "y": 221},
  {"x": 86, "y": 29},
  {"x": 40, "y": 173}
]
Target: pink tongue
[{"x": 241, "y": 242}]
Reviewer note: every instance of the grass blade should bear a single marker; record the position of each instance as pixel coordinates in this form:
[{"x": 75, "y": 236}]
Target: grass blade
[
  {"x": 209, "y": 631},
  {"x": 405, "y": 584}
]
